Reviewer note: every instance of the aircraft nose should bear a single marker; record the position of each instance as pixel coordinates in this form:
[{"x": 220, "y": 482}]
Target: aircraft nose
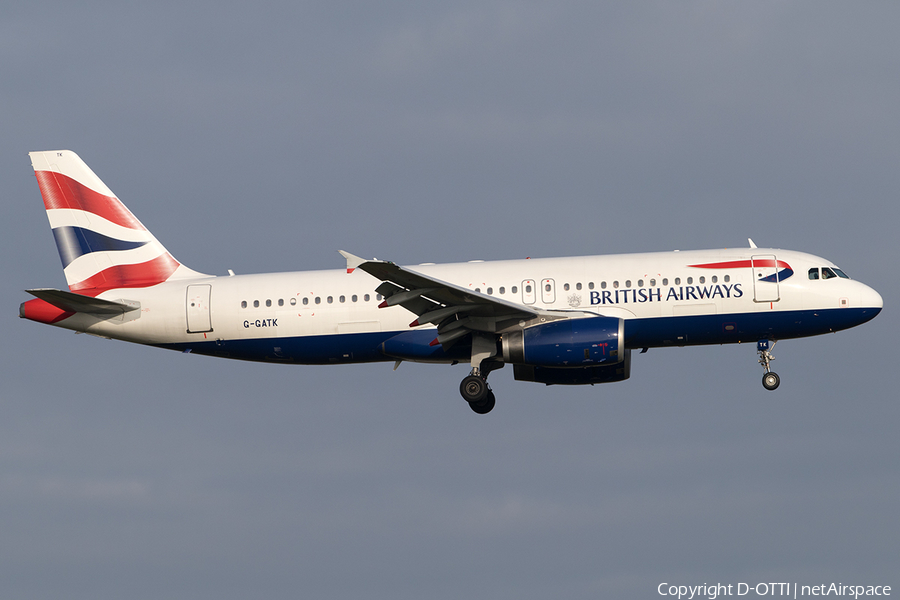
[{"x": 869, "y": 298}]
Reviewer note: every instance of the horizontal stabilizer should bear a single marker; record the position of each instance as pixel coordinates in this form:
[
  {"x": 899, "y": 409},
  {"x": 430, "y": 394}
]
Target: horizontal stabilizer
[{"x": 78, "y": 303}]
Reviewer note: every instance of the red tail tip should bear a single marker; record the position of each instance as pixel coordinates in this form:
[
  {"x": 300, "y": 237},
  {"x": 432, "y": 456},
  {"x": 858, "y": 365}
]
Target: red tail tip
[
  {"x": 383, "y": 304},
  {"x": 414, "y": 323},
  {"x": 42, "y": 312},
  {"x": 434, "y": 342}
]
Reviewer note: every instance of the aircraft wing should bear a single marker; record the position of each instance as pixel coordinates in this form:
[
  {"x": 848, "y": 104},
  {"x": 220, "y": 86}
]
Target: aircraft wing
[{"x": 455, "y": 310}]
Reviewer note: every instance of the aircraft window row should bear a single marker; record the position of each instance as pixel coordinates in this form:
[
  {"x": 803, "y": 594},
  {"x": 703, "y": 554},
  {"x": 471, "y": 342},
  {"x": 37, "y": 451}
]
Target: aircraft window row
[
  {"x": 502, "y": 290},
  {"x": 827, "y": 273},
  {"x": 548, "y": 287},
  {"x": 665, "y": 282},
  {"x": 317, "y": 300}
]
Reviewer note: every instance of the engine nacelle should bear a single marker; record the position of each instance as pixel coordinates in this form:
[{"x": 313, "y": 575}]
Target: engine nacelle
[
  {"x": 567, "y": 343},
  {"x": 576, "y": 376}
]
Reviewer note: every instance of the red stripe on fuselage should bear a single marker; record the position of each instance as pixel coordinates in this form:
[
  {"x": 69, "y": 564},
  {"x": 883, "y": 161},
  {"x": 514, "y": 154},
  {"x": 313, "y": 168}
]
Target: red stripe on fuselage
[
  {"x": 741, "y": 264},
  {"x": 60, "y": 191},
  {"x": 144, "y": 274}
]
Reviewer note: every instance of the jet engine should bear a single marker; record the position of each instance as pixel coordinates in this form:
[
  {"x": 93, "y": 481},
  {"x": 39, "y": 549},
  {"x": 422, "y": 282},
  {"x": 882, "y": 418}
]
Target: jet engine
[
  {"x": 569, "y": 352},
  {"x": 585, "y": 342}
]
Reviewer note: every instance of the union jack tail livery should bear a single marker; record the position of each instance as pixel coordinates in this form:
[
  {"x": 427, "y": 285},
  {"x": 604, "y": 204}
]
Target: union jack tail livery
[{"x": 102, "y": 245}]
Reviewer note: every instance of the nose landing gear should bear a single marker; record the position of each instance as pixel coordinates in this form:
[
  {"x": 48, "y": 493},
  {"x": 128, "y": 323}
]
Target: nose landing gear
[{"x": 770, "y": 379}]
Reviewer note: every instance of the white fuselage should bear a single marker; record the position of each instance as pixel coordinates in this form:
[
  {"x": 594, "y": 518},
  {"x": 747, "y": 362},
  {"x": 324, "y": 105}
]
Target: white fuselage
[{"x": 337, "y": 302}]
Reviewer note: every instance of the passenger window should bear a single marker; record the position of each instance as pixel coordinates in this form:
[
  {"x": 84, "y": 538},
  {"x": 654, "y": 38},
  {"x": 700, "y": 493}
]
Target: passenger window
[
  {"x": 377, "y": 297},
  {"x": 715, "y": 279},
  {"x": 640, "y": 283},
  {"x": 477, "y": 290},
  {"x": 281, "y": 302},
  {"x": 318, "y": 300},
  {"x": 244, "y": 304},
  {"x": 293, "y": 302},
  {"x": 305, "y": 301},
  {"x": 652, "y": 283},
  {"x": 616, "y": 284},
  {"x": 514, "y": 289},
  {"x": 702, "y": 280},
  {"x": 602, "y": 285},
  {"x": 502, "y": 290},
  {"x": 547, "y": 288},
  {"x": 727, "y": 278},
  {"x": 527, "y": 289},
  {"x": 577, "y": 286},
  {"x": 256, "y": 304},
  {"x": 678, "y": 281},
  {"x": 690, "y": 280},
  {"x": 565, "y": 287},
  {"x": 330, "y": 299},
  {"x": 354, "y": 297},
  {"x": 341, "y": 299},
  {"x": 814, "y": 273},
  {"x": 268, "y": 303},
  {"x": 665, "y": 281},
  {"x": 827, "y": 273},
  {"x": 627, "y": 284},
  {"x": 590, "y": 285}
]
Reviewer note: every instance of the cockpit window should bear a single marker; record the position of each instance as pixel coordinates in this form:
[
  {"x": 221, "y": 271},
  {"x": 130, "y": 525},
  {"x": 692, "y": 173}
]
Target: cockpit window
[
  {"x": 814, "y": 273},
  {"x": 827, "y": 273},
  {"x": 840, "y": 273}
]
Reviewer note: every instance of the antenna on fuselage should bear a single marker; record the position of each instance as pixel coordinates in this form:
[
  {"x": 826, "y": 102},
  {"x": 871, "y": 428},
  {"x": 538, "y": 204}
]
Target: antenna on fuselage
[{"x": 752, "y": 245}]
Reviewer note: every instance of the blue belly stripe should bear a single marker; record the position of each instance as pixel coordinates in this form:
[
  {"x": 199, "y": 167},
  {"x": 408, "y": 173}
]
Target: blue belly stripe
[{"x": 690, "y": 330}]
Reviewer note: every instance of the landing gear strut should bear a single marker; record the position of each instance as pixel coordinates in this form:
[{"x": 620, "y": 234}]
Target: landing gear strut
[{"x": 770, "y": 379}]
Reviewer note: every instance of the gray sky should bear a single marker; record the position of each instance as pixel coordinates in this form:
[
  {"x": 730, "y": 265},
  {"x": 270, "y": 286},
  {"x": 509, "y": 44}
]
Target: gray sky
[{"x": 266, "y": 137}]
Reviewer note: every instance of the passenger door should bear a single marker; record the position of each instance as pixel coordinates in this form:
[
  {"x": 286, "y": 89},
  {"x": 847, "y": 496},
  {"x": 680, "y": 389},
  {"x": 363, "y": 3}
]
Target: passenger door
[
  {"x": 197, "y": 306},
  {"x": 765, "y": 278}
]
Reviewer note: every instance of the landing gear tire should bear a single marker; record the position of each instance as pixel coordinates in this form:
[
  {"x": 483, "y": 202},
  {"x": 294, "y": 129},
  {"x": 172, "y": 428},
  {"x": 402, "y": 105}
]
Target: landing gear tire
[
  {"x": 771, "y": 380},
  {"x": 474, "y": 389},
  {"x": 485, "y": 406}
]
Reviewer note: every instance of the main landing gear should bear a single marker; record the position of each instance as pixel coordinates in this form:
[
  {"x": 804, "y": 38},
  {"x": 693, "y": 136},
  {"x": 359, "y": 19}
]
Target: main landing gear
[
  {"x": 770, "y": 379},
  {"x": 474, "y": 387}
]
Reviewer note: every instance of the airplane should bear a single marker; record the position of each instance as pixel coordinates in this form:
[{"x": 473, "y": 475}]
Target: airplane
[{"x": 557, "y": 321}]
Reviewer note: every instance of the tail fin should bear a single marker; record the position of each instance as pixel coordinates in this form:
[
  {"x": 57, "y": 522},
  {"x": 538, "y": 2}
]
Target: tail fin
[{"x": 101, "y": 244}]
